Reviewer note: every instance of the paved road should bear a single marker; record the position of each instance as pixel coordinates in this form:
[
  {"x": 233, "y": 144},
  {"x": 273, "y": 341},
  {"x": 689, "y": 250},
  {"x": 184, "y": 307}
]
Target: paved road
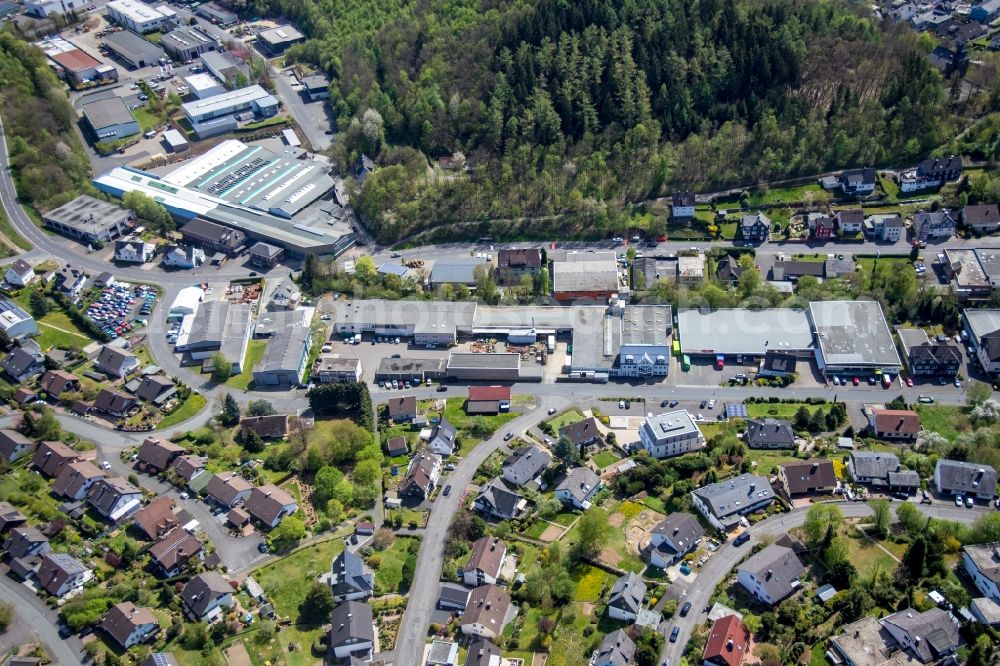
[
  {"x": 722, "y": 562},
  {"x": 294, "y": 103},
  {"x": 423, "y": 593},
  {"x": 29, "y": 609}
]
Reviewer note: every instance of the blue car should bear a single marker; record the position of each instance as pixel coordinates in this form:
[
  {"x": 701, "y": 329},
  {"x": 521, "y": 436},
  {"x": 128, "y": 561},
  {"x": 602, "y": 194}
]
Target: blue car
[
  {"x": 742, "y": 539},
  {"x": 674, "y": 633}
]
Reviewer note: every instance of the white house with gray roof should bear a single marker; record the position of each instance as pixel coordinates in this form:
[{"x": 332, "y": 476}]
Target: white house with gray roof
[
  {"x": 724, "y": 504},
  {"x": 670, "y": 434},
  {"x": 975, "y": 480},
  {"x": 772, "y": 574},
  {"x": 872, "y": 467},
  {"x": 617, "y": 649},
  {"x": 626, "y": 597},
  {"x": 929, "y": 636},
  {"x": 673, "y": 538},
  {"x": 982, "y": 563},
  {"x": 579, "y": 487},
  {"x": 526, "y": 463},
  {"x": 350, "y": 578}
]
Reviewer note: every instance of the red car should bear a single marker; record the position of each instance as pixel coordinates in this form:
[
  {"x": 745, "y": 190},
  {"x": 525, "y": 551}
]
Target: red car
[
  {"x": 856, "y": 382},
  {"x": 661, "y": 238},
  {"x": 909, "y": 381}
]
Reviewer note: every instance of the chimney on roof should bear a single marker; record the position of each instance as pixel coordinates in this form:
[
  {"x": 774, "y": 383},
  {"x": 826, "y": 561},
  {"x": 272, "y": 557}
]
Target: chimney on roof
[
  {"x": 770, "y": 573},
  {"x": 729, "y": 645}
]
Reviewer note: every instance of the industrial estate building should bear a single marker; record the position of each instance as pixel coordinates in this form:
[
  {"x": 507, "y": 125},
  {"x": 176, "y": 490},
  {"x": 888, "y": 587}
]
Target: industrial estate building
[
  {"x": 217, "y": 326},
  {"x": 187, "y": 43},
  {"x": 279, "y": 198},
  {"x": 110, "y": 119},
  {"x": 217, "y": 114},
  {"x": 852, "y": 337},
  {"x": 276, "y": 40},
  {"x": 135, "y": 51},
  {"x": 740, "y": 333},
  {"x": 77, "y": 67},
  {"x": 89, "y": 220},
  {"x": 139, "y": 16}
]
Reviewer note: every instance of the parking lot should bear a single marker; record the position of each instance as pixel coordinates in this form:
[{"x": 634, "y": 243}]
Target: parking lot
[{"x": 122, "y": 307}]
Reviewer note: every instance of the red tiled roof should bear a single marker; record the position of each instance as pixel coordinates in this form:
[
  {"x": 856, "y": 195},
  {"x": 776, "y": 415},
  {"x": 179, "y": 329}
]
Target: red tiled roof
[
  {"x": 727, "y": 642},
  {"x": 897, "y": 420},
  {"x": 76, "y": 60},
  {"x": 477, "y": 393}
]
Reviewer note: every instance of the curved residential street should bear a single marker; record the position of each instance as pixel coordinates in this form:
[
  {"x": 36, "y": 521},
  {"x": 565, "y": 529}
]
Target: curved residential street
[{"x": 31, "y": 611}]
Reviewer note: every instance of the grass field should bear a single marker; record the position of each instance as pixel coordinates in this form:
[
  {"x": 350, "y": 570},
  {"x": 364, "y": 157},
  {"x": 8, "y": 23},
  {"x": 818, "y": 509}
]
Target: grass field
[
  {"x": 655, "y": 503},
  {"x": 147, "y": 119},
  {"x": 590, "y": 581},
  {"x": 779, "y": 410},
  {"x": 56, "y": 330},
  {"x": 255, "y": 352},
  {"x": 287, "y": 580},
  {"x": 867, "y": 265},
  {"x": 865, "y": 556},
  {"x": 605, "y": 459},
  {"x": 194, "y": 404},
  {"x": 945, "y": 420},
  {"x": 564, "y": 419},
  {"x": 766, "y": 460},
  {"x": 454, "y": 411},
  {"x": 389, "y": 576},
  {"x": 8, "y": 230}
]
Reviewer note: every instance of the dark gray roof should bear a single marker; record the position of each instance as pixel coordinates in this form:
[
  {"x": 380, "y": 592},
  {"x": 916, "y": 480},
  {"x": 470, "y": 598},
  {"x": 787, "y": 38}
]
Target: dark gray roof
[
  {"x": 351, "y": 622},
  {"x": 108, "y": 111},
  {"x": 453, "y": 595},
  {"x": 617, "y": 649},
  {"x": 777, "y": 568},
  {"x": 526, "y": 463},
  {"x": 349, "y": 575},
  {"x": 779, "y": 362},
  {"x": 627, "y": 593},
  {"x": 497, "y": 496},
  {"x": 937, "y": 630},
  {"x": 770, "y": 432},
  {"x": 681, "y": 529},
  {"x": 202, "y": 589},
  {"x": 480, "y": 652},
  {"x": 580, "y": 483},
  {"x": 904, "y": 478},
  {"x": 580, "y": 431},
  {"x": 956, "y": 475},
  {"x": 734, "y": 495},
  {"x": 986, "y": 558},
  {"x": 872, "y": 464},
  {"x": 133, "y": 46}
]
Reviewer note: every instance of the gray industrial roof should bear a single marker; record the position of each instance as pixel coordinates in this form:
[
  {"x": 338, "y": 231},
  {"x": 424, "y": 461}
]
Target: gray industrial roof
[
  {"x": 734, "y": 495},
  {"x": 404, "y": 313},
  {"x": 473, "y": 360},
  {"x": 457, "y": 270},
  {"x": 585, "y": 271},
  {"x": 596, "y": 340},
  {"x": 184, "y": 38},
  {"x": 911, "y": 337},
  {"x": 106, "y": 112},
  {"x": 982, "y": 322},
  {"x": 853, "y": 333},
  {"x": 209, "y": 323},
  {"x": 284, "y": 350},
  {"x": 646, "y": 324},
  {"x": 742, "y": 331},
  {"x": 134, "y": 47},
  {"x": 87, "y": 213}
]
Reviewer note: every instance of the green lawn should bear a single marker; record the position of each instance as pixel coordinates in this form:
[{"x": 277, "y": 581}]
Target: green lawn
[
  {"x": 570, "y": 647},
  {"x": 270, "y": 122},
  {"x": 779, "y": 410},
  {"x": 571, "y": 415},
  {"x": 147, "y": 119},
  {"x": 454, "y": 411},
  {"x": 536, "y": 529},
  {"x": 655, "y": 503},
  {"x": 255, "y": 352},
  {"x": 946, "y": 420},
  {"x": 605, "y": 459},
  {"x": 865, "y": 555},
  {"x": 590, "y": 582},
  {"x": 8, "y": 230},
  {"x": 56, "y": 330},
  {"x": 867, "y": 266},
  {"x": 888, "y": 186},
  {"x": 194, "y": 404},
  {"x": 287, "y": 580},
  {"x": 766, "y": 460},
  {"x": 389, "y": 575}
]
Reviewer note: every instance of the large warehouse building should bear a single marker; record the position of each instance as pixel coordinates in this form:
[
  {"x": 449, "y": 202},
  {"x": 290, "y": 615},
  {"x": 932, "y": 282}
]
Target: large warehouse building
[
  {"x": 110, "y": 119},
  {"x": 139, "y": 16},
  {"x": 273, "y": 197},
  {"x": 217, "y": 114},
  {"x": 852, "y": 337},
  {"x": 76, "y": 66},
  {"x": 740, "y": 333}
]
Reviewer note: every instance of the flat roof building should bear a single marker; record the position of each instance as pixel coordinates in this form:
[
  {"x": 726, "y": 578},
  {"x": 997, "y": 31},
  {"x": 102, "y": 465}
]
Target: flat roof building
[
  {"x": 276, "y": 40},
  {"x": 224, "y": 66},
  {"x": 584, "y": 275},
  {"x": 88, "y": 219},
  {"x": 670, "y": 434},
  {"x": 187, "y": 43},
  {"x": 217, "y": 326},
  {"x": 135, "y": 51},
  {"x": 252, "y": 98},
  {"x": 46, "y": 8},
  {"x": 743, "y": 332},
  {"x": 110, "y": 119},
  {"x": 203, "y": 85},
  {"x": 139, "y": 16},
  {"x": 852, "y": 336},
  {"x": 76, "y": 66},
  {"x": 316, "y": 87},
  {"x": 217, "y": 14},
  {"x": 175, "y": 141}
]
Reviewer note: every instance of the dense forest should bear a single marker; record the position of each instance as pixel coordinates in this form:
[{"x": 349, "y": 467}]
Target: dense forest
[{"x": 578, "y": 108}]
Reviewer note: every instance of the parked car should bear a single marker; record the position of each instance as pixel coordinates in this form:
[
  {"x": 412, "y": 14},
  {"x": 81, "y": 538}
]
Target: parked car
[
  {"x": 508, "y": 436},
  {"x": 686, "y": 608},
  {"x": 711, "y": 403},
  {"x": 909, "y": 381},
  {"x": 552, "y": 410},
  {"x": 742, "y": 538},
  {"x": 958, "y": 500},
  {"x": 447, "y": 490},
  {"x": 442, "y": 388},
  {"x": 621, "y": 404},
  {"x": 674, "y": 633},
  {"x": 673, "y": 403},
  {"x": 969, "y": 502}
]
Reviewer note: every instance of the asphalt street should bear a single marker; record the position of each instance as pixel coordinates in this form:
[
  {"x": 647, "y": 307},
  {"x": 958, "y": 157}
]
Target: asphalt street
[
  {"x": 30, "y": 610},
  {"x": 728, "y": 556}
]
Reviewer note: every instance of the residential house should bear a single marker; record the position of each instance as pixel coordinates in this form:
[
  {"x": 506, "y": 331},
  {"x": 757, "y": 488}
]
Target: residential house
[
  {"x": 929, "y": 636},
  {"x": 10, "y": 517},
  {"x": 495, "y": 500},
  {"x": 512, "y": 265},
  {"x": 158, "y": 454},
  {"x": 525, "y": 464},
  {"x": 14, "y": 445},
  {"x": 772, "y": 574},
  {"x": 183, "y": 256},
  {"x": 807, "y": 477},
  {"x": 134, "y": 252},
  {"x": 128, "y": 624},
  {"x": 15, "y": 322},
  {"x": 983, "y": 219},
  {"x": 793, "y": 270},
  {"x": 350, "y": 579},
  {"x": 205, "y": 595},
  {"x": 674, "y": 537},
  {"x": 932, "y": 172},
  {"x": 403, "y": 409},
  {"x": 728, "y": 642},
  {"x": 76, "y": 479},
  {"x": 286, "y": 295},
  {"x": 986, "y": 611},
  {"x": 156, "y": 389},
  {"x": 485, "y": 561},
  {"x": 581, "y": 433},
  {"x": 728, "y": 271},
  {"x": 186, "y": 467},
  {"x": 982, "y": 563},
  {"x": 268, "y": 504},
  {"x": 857, "y": 182},
  {"x": 682, "y": 205},
  {"x": 768, "y": 433},
  {"x": 70, "y": 282},
  {"x": 444, "y": 438},
  {"x": 51, "y": 457},
  {"x": 273, "y": 426},
  {"x": 173, "y": 551},
  {"x": 616, "y": 649},
  {"x": 579, "y": 487},
  {"x": 872, "y": 467},
  {"x": 933, "y": 225},
  {"x": 866, "y": 643},
  {"x": 59, "y": 574},
  {"x": 19, "y": 274},
  {"x": 421, "y": 478},
  {"x": 264, "y": 255},
  {"x": 238, "y": 518},
  {"x": 896, "y": 424},
  {"x": 626, "y": 598},
  {"x": 24, "y": 396},
  {"x": 215, "y": 237},
  {"x": 886, "y": 227},
  {"x": 57, "y": 382},
  {"x": 670, "y": 434},
  {"x": 821, "y": 225},
  {"x": 25, "y": 541},
  {"x": 114, "y": 498},
  {"x": 397, "y": 446},
  {"x": 957, "y": 477},
  {"x": 755, "y": 228},
  {"x": 156, "y": 518},
  {"x": 115, "y": 362},
  {"x": 352, "y": 631},
  {"x": 24, "y": 361},
  {"x": 723, "y": 504},
  {"x": 228, "y": 489},
  {"x": 777, "y": 364},
  {"x": 486, "y": 612},
  {"x": 850, "y": 222},
  {"x": 113, "y": 403},
  {"x": 931, "y": 359},
  {"x": 488, "y": 400}
]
